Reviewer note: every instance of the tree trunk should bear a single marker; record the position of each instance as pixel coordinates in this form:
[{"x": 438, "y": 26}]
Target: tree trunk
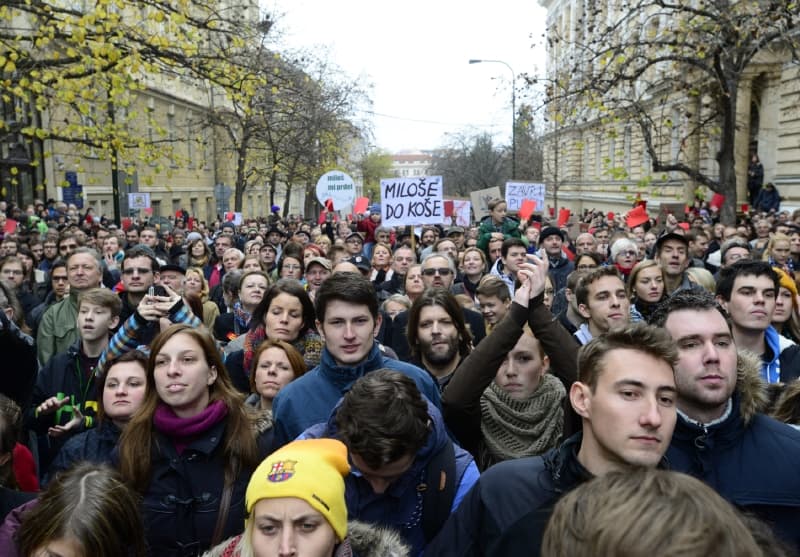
[
  {"x": 727, "y": 156},
  {"x": 241, "y": 181}
]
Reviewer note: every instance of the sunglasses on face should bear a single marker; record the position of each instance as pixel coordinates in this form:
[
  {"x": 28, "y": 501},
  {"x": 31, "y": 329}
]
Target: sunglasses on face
[{"x": 443, "y": 271}]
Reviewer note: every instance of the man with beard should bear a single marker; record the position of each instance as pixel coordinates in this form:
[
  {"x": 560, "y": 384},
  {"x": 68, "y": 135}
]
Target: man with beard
[
  {"x": 437, "y": 334},
  {"x": 721, "y": 436},
  {"x": 438, "y": 271}
]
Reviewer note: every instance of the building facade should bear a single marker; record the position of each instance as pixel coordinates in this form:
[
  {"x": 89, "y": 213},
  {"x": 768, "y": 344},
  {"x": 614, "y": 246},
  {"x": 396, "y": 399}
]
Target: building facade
[{"x": 597, "y": 159}]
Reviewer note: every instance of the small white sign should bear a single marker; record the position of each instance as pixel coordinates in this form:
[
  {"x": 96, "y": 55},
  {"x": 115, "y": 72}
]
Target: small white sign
[
  {"x": 139, "y": 200},
  {"x": 337, "y": 186}
]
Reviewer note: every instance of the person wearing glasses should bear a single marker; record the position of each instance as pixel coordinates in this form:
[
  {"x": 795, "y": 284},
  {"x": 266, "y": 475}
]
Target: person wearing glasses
[
  {"x": 59, "y": 287},
  {"x": 438, "y": 271},
  {"x": 623, "y": 256},
  {"x": 12, "y": 270},
  {"x": 354, "y": 244}
]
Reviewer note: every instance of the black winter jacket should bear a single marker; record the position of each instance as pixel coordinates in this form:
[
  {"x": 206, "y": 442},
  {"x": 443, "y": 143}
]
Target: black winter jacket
[
  {"x": 94, "y": 445},
  {"x": 181, "y": 504},
  {"x": 505, "y": 513}
]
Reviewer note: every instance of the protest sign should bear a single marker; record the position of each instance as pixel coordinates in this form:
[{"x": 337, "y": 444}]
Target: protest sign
[
  {"x": 518, "y": 192},
  {"x": 412, "y": 200},
  {"x": 481, "y": 199},
  {"x": 461, "y": 210},
  {"x": 337, "y": 186}
]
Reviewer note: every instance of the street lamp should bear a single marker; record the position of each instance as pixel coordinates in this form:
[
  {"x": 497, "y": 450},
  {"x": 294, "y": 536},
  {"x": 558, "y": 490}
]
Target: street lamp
[{"x": 513, "y": 112}]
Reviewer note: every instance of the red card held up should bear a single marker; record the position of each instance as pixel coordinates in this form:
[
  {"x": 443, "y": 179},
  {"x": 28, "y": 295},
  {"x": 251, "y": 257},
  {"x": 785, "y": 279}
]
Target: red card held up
[
  {"x": 361, "y": 205},
  {"x": 527, "y": 209}
]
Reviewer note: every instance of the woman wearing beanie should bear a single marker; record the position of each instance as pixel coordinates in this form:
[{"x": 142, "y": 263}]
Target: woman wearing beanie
[
  {"x": 190, "y": 449},
  {"x": 296, "y": 507},
  {"x": 785, "y": 318}
]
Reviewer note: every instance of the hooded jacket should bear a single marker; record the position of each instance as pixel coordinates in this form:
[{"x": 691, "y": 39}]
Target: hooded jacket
[
  {"x": 309, "y": 399},
  {"x": 505, "y": 513},
  {"x": 401, "y": 505},
  {"x": 748, "y": 458},
  {"x": 784, "y": 363},
  {"x": 363, "y": 540}
]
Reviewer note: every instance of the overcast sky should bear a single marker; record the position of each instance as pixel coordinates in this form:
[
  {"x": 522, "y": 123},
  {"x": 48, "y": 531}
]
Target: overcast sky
[{"x": 415, "y": 55}]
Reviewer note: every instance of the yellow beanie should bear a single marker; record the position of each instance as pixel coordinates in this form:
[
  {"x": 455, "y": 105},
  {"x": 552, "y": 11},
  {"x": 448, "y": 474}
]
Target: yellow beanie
[
  {"x": 312, "y": 470},
  {"x": 788, "y": 283}
]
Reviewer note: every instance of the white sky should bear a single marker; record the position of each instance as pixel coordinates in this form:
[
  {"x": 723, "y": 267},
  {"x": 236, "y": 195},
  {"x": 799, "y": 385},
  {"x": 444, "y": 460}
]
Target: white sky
[{"x": 415, "y": 54}]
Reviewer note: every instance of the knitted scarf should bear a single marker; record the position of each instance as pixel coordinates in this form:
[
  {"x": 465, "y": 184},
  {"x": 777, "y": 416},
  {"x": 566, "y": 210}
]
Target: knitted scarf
[
  {"x": 183, "y": 431},
  {"x": 518, "y": 428},
  {"x": 241, "y": 316},
  {"x": 309, "y": 344}
]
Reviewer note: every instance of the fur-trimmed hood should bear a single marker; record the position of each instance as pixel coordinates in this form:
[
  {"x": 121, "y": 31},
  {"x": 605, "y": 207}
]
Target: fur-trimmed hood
[
  {"x": 750, "y": 386},
  {"x": 363, "y": 540}
]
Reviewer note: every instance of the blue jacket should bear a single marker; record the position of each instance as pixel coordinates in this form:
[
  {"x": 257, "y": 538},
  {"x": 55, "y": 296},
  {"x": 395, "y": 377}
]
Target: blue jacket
[
  {"x": 309, "y": 399},
  {"x": 784, "y": 363},
  {"x": 399, "y": 507},
  {"x": 747, "y": 457}
]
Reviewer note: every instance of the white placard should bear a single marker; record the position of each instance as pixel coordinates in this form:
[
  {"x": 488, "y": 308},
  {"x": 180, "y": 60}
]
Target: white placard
[
  {"x": 337, "y": 186},
  {"x": 517, "y": 192},
  {"x": 139, "y": 201},
  {"x": 412, "y": 200},
  {"x": 461, "y": 210}
]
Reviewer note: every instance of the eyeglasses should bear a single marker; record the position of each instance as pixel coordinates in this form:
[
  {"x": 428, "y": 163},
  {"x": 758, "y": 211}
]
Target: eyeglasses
[
  {"x": 139, "y": 270},
  {"x": 353, "y": 241},
  {"x": 12, "y": 272},
  {"x": 629, "y": 253},
  {"x": 443, "y": 271},
  {"x": 59, "y": 279}
]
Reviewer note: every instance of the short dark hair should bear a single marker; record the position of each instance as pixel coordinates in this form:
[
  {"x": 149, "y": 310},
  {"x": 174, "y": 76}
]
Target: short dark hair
[
  {"x": 383, "y": 418},
  {"x": 756, "y": 268},
  {"x": 696, "y": 299},
  {"x": 654, "y": 341},
  {"x": 509, "y": 243},
  {"x": 141, "y": 251},
  {"x": 346, "y": 287},
  {"x": 592, "y": 276},
  {"x": 443, "y": 298}
]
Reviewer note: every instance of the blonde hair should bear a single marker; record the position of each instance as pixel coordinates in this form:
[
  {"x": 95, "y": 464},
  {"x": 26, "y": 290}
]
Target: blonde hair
[{"x": 199, "y": 273}]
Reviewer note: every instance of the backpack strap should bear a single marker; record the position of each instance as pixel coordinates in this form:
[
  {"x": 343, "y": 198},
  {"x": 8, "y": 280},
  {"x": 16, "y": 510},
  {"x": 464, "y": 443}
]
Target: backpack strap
[{"x": 438, "y": 490}]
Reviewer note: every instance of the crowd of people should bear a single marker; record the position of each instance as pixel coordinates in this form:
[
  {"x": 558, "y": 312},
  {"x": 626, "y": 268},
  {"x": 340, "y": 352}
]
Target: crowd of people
[{"x": 336, "y": 387}]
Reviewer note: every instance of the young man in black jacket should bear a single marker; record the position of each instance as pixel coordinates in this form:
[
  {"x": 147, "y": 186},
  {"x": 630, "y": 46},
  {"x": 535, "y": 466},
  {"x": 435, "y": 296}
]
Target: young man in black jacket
[{"x": 625, "y": 395}]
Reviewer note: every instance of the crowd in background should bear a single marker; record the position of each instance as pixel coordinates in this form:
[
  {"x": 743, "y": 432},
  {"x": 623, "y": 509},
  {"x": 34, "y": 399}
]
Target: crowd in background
[{"x": 213, "y": 380}]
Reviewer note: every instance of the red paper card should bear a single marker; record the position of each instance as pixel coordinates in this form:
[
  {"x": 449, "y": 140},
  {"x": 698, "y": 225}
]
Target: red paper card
[
  {"x": 448, "y": 207},
  {"x": 361, "y": 205},
  {"x": 745, "y": 207},
  {"x": 527, "y": 209},
  {"x": 563, "y": 217},
  {"x": 717, "y": 200}
]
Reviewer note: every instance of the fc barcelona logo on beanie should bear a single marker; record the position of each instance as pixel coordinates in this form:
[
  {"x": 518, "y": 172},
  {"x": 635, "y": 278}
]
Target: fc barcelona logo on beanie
[{"x": 281, "y": 470}]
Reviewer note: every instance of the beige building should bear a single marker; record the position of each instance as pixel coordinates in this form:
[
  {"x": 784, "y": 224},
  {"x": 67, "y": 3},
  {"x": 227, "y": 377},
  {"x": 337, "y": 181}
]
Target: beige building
[
  {"x": 408, "y": 163},
  {"x": 595, "y": 159},
  {"x": 193, "y": 168}
]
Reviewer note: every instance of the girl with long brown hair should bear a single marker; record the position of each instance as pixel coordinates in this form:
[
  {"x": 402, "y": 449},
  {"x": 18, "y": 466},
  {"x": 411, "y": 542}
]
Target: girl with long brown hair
[{"x": 191, "y": 448}]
